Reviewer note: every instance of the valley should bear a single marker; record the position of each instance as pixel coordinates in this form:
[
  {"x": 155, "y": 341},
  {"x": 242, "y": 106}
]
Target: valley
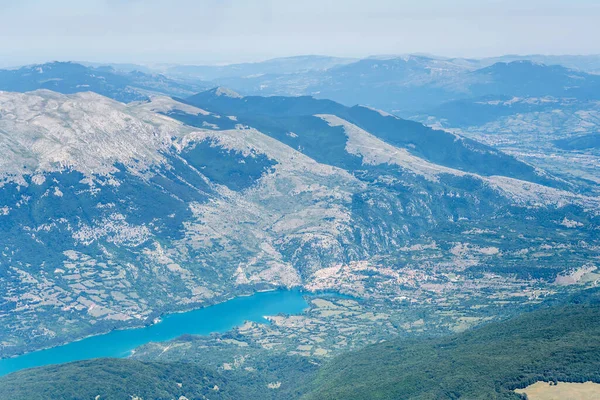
[
  {"x": 122, "y": 343},
  {"x": 115, "y": 214},
  {"x": 494, "y": 360},
  {"x": 539, "y": 135},
  {"x": 262, "y": 214}
]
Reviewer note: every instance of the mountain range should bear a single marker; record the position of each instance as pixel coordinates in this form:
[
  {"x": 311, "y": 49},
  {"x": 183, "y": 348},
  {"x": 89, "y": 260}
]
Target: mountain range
[
  {"x": 68, "y": 77},
  {"x": 126, "y": 195},
  {"x": 249, "y": 193},
  {"x": 414, "y": 84}
]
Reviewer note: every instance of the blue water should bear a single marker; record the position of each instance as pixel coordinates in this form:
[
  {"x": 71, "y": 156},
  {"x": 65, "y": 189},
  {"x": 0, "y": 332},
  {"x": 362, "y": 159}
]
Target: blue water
[{"x": 218, "y": 318}]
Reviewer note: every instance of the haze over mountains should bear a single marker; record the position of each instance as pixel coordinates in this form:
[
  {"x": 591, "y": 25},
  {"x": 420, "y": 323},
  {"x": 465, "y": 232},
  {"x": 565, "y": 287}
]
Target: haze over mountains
[
  {"x": 411, "y": 84},
  {"x": 386, "y": 82},
  {"x": 125, "y": 195},
  {"x": 68, "y": 77}
]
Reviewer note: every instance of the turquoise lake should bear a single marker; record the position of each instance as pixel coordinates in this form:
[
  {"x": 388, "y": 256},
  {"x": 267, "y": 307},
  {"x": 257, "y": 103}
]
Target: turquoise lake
[{"x": 218, "y": 318}]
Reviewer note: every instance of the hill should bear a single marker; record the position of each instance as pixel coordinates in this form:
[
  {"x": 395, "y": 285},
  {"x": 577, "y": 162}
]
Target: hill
[
  {"x": 122, "y": 379},
  {"x": 552, "y": 344},
  {"x": 324, "y": 141},
  {"x": 591, "y": 141}
]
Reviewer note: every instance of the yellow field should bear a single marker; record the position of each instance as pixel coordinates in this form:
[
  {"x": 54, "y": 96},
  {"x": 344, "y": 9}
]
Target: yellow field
[{"x": 562, "y": 391}]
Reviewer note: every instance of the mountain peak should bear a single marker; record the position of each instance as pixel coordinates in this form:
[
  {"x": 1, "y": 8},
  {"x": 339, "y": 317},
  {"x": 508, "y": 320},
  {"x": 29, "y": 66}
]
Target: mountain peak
[
  {"x": 223, "y": 91},
  {"x": 520, "y": 65},
  {"x": 57, "y": 64},
  {"x": 48, "y": 133}
]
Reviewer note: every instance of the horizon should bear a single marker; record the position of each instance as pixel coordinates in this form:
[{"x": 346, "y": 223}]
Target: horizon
[
  {"x": 315, "y": 200},
  {"x": 264, "y": 60},
  {"x": 211, "y": 32}
]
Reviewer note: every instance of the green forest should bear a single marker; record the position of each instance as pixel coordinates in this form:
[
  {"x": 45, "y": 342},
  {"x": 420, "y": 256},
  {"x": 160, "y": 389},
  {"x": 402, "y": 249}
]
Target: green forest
[{"x": 554, "y": 343}]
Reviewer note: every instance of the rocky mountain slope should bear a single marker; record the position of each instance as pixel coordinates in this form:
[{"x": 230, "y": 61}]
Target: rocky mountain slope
[
  {"x": 523, "y": 105},
  {"x": 111, "y": 214}
]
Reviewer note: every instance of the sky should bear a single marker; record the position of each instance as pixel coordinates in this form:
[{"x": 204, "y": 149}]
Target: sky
[{"x": 227, "y": 31}]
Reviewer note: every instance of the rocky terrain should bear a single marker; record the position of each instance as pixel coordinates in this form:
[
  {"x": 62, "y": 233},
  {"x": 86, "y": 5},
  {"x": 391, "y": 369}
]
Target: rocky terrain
[{"x": 112, "y": 214}]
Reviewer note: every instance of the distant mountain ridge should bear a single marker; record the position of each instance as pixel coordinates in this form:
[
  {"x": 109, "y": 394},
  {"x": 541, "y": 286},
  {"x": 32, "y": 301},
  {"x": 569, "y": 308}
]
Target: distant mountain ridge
[
  {"x": 531, "y": 79},
  {"x": 68, "y": 77},
  {"x": 284, "y": 65},
  {"x": 415, "y": 84},
  {"x": 406, "y": 85}
]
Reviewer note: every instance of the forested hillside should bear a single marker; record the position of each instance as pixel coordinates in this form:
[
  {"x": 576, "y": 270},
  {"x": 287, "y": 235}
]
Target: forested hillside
[{"x": 559, "y": 343}]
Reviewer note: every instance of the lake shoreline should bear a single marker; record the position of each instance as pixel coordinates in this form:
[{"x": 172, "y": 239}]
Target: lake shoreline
[
  {"x": 257, "y": 304},
  {"x": 195, "y": 307}
]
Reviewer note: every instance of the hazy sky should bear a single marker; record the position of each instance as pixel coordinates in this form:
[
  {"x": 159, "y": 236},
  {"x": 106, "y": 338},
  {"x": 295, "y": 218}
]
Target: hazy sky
[{"x": 219, "y": 31}]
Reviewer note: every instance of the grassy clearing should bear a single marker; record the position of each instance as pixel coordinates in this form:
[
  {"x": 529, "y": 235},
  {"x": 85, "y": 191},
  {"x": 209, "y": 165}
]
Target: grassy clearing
[{"x": 562, "y": 391}]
